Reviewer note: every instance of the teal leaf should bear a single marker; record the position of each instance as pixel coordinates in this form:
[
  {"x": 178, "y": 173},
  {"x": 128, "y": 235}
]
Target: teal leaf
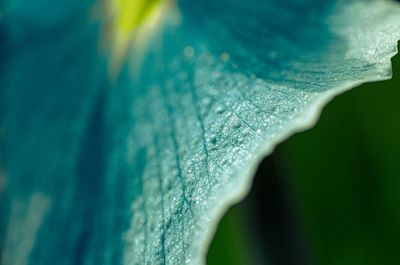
[{"x": 139, "y": 169}]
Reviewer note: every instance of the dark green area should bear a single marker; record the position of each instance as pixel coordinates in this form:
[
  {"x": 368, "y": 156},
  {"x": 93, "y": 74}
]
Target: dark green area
[
  {"x": 343, "y": 178},
  {"x": 227, "y": 247}
]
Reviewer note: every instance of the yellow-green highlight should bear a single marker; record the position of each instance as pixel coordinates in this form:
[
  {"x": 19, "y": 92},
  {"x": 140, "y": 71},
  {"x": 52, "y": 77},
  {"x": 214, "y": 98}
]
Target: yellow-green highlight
[
  {"x": 132, "y": 13},
  {"x": 132, "y": 21}
]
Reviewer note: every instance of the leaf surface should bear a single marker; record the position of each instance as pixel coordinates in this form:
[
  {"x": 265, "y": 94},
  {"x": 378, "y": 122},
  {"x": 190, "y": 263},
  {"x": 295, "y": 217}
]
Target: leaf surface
[{"x": 140, "y": 169}]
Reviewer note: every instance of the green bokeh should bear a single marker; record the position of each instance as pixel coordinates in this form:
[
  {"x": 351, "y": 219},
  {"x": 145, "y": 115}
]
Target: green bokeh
[
  {"x": 229, "y": 246},
  {"x": 345, "y": 176}
]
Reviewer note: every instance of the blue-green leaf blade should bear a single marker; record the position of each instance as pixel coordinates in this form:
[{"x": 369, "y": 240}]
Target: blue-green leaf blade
[{"x": 139, "y": 171}]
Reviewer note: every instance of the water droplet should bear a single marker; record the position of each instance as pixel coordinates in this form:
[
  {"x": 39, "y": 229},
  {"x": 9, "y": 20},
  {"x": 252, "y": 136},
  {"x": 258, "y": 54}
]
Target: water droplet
[
  {"x": 213, "y": 139},
  {"x": 272, "y": 54},
  {"x": 236, "y": 124},
  {"x": 219, "y": 110},
  {"x": 224, "y": 57},
  {"x": 188, "y": 52}
]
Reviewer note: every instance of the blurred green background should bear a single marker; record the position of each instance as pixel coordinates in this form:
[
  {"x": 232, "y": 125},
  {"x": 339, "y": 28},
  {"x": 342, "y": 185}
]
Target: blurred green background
[{"x": 327, "y": 196}]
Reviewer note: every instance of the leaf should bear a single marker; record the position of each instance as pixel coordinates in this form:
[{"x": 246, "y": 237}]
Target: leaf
[{"x": 140, "y": 169}]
